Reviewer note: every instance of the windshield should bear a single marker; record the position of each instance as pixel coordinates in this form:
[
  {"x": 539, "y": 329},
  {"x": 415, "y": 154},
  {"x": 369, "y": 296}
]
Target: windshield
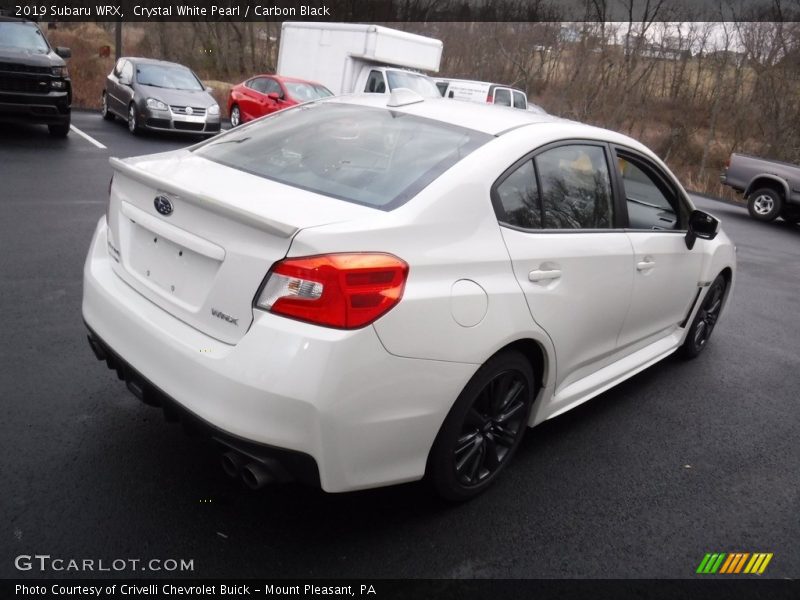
[
  {"x": 164, "y": 76},
  {"x": 422, "y": 84},
  {"x": 370, "y": 156},
  {"x": 305, "y": 92},
  {"x": 23, "y": 36}
]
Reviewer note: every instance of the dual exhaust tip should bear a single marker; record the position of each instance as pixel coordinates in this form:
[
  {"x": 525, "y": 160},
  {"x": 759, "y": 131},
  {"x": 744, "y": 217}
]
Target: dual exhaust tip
[{"x": 254, "y": 474}]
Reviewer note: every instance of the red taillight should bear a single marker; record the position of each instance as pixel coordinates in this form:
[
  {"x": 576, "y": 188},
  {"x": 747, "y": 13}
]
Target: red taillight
[
  {"x": 336, "y": 290},
  {"x": 489, "y": 99}
]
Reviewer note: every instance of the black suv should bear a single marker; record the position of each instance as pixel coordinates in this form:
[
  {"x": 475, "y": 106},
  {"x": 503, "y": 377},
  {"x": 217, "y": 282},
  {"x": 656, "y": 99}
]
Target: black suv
[{"x": 34, "y": 83}]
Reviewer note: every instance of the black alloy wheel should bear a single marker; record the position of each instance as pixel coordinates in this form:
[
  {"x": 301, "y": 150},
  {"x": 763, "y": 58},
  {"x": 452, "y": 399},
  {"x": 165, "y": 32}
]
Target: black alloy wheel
[
  {"x": 705, "y": 320},
  {"x": 484, "y": 428}
]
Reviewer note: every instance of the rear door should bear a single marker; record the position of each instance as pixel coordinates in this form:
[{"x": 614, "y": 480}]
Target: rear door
[
  {"x": 126, "y": 87},
  {"x": 252, "y": 101},
  {"x": 117, "y": 99},
  {"x": 270, "y": 105},
  {"x": 667, "y": 272},
  {"x": 112, "y": 84},
  {"x": 571, "y": 259}
]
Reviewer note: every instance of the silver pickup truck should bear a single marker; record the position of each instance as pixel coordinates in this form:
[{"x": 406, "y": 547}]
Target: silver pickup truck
[{"x": 771, "y": 187}]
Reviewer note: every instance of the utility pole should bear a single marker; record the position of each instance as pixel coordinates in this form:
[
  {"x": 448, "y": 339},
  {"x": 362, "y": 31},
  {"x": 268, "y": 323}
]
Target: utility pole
[{"x": 118, "y": 40}]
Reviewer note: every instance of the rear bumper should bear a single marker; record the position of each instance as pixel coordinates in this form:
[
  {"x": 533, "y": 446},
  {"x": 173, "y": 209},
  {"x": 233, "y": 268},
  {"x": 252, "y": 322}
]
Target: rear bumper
[
  {"x": 365, "y": 417},
  {"x": 299, "y": 466}
]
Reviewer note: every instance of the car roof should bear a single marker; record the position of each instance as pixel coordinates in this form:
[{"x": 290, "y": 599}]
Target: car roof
[
  {"x": 152, "y": 61},
  {"x": 285, "y": 78},
  {"x": 487, "y": 118}
]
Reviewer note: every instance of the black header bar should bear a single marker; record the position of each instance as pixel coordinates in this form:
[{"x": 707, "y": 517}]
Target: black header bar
[{"x": 404, "y": 10}]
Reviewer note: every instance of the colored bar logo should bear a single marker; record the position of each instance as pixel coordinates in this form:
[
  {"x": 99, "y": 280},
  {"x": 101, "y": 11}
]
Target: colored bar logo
[{"x": 734, "y": 563}]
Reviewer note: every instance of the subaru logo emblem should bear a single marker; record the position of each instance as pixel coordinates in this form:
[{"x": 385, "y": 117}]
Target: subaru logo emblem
[
  {"x": 188, "y": 110},
  {"x": 163, "y": 205}
]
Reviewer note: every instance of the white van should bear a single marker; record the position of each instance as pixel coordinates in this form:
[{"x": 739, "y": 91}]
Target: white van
[{"x": 482, "y": 91}]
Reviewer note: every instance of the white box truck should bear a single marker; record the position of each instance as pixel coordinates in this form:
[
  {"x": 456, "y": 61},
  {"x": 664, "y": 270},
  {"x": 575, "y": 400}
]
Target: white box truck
[{"x": 353, "y": 58}]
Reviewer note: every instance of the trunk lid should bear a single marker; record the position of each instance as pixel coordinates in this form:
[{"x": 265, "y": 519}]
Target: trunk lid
[{"x": 197, "y": 238}]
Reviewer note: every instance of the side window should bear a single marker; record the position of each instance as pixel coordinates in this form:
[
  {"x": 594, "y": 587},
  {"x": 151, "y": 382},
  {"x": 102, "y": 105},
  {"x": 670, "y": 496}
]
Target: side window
[
  {"x": 252, "y": 84},
  {"x": 502, "y": 96},
  {"x": 575, "y": 188},
  {"x": 519, "y": 100},
  {"x": 260, "y": 85},
  {"x": 518, "y": 198},
  {"x": 650, "y": 201},
  {"x": 127, "y": 71},
  {"x": 375, "y": 83},
  {"x": 272, "y": 87}
]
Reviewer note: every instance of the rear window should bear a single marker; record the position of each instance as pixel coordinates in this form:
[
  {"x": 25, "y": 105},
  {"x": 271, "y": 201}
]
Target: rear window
[{"x": 371, "y": 156}]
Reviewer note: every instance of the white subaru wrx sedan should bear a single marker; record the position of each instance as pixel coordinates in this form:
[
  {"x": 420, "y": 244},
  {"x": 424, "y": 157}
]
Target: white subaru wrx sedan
[{"x": 364, "y": 291}]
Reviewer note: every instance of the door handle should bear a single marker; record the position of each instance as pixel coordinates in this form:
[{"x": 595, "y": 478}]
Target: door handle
[
  {"x": 545, "y": 275},
  {"x": 644, "y": 265}
]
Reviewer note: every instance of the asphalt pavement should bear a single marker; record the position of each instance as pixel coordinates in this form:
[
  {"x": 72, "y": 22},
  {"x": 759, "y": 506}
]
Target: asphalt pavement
[{"x": 683, "y": 459}]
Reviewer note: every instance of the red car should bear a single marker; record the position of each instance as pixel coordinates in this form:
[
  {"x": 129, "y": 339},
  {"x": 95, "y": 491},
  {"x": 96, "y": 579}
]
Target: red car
[{"x": 265, "y": 94}]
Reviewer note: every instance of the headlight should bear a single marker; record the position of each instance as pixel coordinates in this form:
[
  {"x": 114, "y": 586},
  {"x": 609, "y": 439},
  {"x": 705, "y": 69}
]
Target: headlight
[
  {"x": 59, "y": 71},
  {"x": 213, "y": 109},
  {"x": 156, "y": 104}
]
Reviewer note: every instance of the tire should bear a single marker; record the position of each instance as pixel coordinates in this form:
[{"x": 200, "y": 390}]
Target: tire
[
  {"x": 764, "y": 204},
  {"x": 479, "y": 436},
  {"x": 133, "y": 121},
  {"x": 60, "y": 130},
  {"x": 705, "y": 320},
  {"x": 107, "y": 114},
  {"x": 236, "y": 116}
]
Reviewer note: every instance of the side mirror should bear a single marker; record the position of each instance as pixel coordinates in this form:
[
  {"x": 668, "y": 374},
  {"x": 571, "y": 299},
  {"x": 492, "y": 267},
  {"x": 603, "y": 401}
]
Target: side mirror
[
  {"x": 701, "y": 225},
  {"x": 274, "y": 96},
  {"x": 63, "y": 52}
]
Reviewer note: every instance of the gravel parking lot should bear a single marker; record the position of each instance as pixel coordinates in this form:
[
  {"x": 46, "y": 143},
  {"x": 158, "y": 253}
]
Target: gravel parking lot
[{"x": 683, "y": 459}]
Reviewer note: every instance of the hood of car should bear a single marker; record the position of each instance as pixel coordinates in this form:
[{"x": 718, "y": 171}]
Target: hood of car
[
  {"x": 198, "y": 98},
  {"x": 31, "y": 58}
]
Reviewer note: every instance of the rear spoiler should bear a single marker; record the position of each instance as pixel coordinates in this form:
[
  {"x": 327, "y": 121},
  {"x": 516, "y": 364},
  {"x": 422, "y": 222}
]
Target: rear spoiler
[{"x": 272, "y": 226}]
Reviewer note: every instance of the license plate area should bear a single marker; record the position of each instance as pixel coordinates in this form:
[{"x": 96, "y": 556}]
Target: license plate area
[{"x": 171, "y": 269}]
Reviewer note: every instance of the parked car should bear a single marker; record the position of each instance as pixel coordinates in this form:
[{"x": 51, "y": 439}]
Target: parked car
[
  {"x": 368, "y": 290},
  {"x": 482, "y": 92},
  {"x": 35, "y": 86},
  {"x": 264, "y": 94},
  {"x": 771, "y": 187},
  {"x": 158, "y": 95}
]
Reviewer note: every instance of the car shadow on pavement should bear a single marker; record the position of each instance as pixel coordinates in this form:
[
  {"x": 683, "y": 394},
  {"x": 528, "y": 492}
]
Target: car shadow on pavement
[{"x": 24, "y": 135}]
